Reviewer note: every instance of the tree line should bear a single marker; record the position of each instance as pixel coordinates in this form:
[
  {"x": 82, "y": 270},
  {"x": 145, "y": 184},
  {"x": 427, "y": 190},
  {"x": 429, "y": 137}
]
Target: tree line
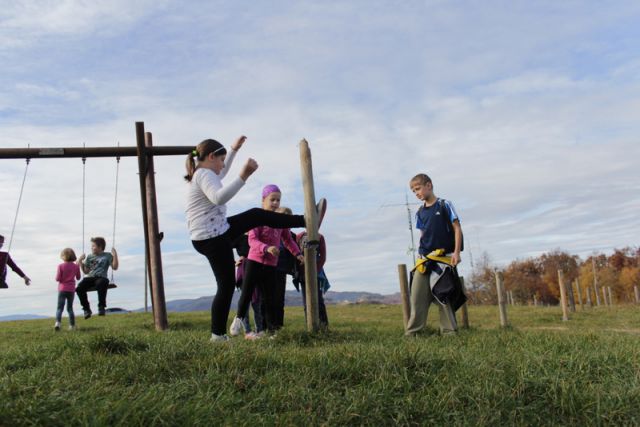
[{"x": 536, "y": 279}]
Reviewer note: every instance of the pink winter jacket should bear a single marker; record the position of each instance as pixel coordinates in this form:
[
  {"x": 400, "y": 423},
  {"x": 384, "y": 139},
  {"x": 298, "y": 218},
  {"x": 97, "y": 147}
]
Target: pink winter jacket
[{"x": 260, "y": 238}]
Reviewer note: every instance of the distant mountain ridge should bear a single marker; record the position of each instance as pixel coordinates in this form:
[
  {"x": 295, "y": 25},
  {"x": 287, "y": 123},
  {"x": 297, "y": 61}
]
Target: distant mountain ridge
[{"x": 292, "y": 299}]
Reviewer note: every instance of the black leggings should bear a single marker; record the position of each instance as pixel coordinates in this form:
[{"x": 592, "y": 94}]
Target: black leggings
[
  {"x": 263, "y": 277},
  {"x": 219, "y": 253}
]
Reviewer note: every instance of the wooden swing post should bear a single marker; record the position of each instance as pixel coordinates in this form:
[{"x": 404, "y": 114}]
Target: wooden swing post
[
  {"x": 404, "y": 293},
  {"x": 311, "y": 216}
]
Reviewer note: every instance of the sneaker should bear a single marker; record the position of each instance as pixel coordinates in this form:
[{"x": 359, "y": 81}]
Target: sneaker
[
  {"x": 236, "y": 327},
  {"x": 102, "y": 312},
  {"x": 72, "y": 327},
  {"x": 252, "y": 336},
  {"x": 87, "y": 314},
  {"x": 219, "y": 338},
  {"x": 321, "y": 208},
  {"x": 57, "y": 327}
]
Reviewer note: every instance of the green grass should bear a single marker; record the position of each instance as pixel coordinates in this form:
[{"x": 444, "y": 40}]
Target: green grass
[{"x": 118, "y": 371}]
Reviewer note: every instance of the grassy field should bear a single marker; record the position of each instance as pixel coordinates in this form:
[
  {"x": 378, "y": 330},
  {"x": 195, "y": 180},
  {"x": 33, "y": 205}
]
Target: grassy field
[{"x": 118, "y": 371}]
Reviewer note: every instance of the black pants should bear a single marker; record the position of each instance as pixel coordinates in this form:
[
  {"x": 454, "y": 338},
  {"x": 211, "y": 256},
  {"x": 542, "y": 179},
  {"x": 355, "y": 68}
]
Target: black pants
[
  {"x": 279, "y": 291},
  {"x": 263, "y": 277},
  {"x": 219, "y": 252},
  {"x": 101, "y": 284}
]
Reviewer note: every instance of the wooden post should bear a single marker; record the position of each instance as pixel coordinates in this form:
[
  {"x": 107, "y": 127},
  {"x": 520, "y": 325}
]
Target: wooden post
[
  {"x": 589, "y": 302},
  {"x": 604, "y": 295},
  {"x": 535, "y": 300},
  {"x": 572, "y": 302},
  {"x": 563, "y": 296},
  {"x": 636, "y": 292},
  {"x": 501, "y": 303},
  {"x": 142, "y": 172},
  {"x": 595, "y": 280},
  {"x": 579, "y": 294},
  {"x": 310, "y": 271},
  {"x": 465, "y": 309},
  {"x": 155, "y": 258},
  {"x": 610, "y": 295},
  {"x": 404, "y": 293}
]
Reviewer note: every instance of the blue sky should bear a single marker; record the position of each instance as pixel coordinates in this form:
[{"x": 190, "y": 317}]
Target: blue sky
[{"x": 525, "y": 114}]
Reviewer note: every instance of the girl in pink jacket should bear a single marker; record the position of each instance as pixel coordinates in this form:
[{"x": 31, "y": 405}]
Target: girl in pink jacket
[
  {"x": 66, "y": 275},
  {"x": 260, "y": 272}
]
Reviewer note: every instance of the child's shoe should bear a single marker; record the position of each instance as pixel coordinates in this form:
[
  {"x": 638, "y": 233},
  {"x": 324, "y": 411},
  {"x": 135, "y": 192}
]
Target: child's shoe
[
  {"x": 218, "y": 338},
  {"x": 87, "y": 314},
  {"x": 236, "y": 327},
  {"x": 102, "y": 312},
  {"x": 57, "y": 327},
  {"x": 252, "y": 336}
]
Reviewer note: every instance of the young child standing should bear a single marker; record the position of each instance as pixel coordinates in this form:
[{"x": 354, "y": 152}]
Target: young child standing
[
  {"x": 440, "y": 228},
  {"x": 287, "y": 265},
  {"x": 241, "y": 245},
  {"x": 5, "y": 260},
  {"x": 95, "y": 269},
  {"x": 212, "y": 232},
  {"x": 66, "y": 275},
  {"x": 260, "y": 272}
]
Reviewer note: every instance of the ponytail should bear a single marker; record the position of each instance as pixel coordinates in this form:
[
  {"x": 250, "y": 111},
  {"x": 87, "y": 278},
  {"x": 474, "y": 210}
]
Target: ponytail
[{"x": 201, "y": 152}]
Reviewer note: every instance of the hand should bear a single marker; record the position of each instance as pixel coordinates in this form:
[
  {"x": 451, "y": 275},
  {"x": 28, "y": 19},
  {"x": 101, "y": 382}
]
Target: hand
[
  {"x": 82, "y": 257},
  {"x": 455, "y": 259},
  {"x": 248, "y": 169},
  {"x": 113, "y": 252},
  {"x": 239, "y": 260},
  {"x": 300, "y": 259},
  {"x": 273, "y": 250},
  {"x": 238, "y": 144},
  {"x": 27, "y": 281}
]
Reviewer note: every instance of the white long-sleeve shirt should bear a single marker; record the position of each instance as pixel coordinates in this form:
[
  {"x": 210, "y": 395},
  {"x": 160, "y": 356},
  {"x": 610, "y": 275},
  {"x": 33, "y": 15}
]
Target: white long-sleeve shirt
[{"x": 206, "y": 210}]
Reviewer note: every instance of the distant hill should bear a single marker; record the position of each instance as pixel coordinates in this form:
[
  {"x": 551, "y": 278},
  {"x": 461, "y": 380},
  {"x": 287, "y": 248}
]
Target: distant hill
[
  {"x": 21, "y": 317},
  {"x": 292, "y": 299}
]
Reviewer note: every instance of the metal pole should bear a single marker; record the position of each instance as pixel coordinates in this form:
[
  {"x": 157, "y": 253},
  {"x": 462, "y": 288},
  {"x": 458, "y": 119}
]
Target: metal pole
[
  {"x": 310, "y": 269},
  {"x": 404, "y": 293}
]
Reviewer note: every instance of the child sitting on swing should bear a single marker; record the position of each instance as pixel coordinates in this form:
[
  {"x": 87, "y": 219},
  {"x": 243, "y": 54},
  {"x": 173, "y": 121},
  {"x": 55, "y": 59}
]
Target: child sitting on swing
[
  {"x": 5, "y": 260},
  {"x": 95, "y": 269}
]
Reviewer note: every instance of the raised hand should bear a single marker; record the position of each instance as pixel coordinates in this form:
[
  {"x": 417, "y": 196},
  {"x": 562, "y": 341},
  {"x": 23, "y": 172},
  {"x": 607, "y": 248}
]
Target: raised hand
[
  {"x": 238, "y": 144},
  {"x": 249, "y": 168}
]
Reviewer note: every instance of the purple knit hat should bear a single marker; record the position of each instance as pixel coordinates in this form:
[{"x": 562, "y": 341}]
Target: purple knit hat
[{"x": 268, "y": 189}]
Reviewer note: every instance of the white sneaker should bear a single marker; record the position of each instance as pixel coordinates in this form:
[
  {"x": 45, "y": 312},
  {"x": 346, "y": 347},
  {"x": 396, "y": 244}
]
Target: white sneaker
[
  {"x": 57, "y": 326},
  {"x": 219, "y": 338},
  {"x": 236, "y": 327}
]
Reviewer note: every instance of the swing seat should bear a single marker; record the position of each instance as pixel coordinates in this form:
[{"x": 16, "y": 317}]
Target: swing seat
[{"x": 111, "y": 286}]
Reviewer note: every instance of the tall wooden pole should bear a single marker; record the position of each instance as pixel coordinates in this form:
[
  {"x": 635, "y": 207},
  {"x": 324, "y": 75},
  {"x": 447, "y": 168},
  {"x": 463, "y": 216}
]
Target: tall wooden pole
[
  {"x": 145, "y": 161},
  {"x": 610, "y": 295},
  {"x": 404, "y": 293},
  {"x": 465, "y": 309},
  {"x": 501, "y": 303},
  {"x": 588, "y": 291},
  {"x": 563, "y": 296},
  {"x": 142, "y": 173},
  {"x": 311, "y": 216}
]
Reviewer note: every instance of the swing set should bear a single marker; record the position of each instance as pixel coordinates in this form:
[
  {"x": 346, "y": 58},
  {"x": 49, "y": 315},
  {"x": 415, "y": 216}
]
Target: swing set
[{"x": 145, "y": 151}]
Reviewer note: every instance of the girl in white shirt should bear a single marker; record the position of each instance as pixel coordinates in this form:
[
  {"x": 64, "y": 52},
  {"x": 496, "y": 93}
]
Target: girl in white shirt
[{"x": 212, "y": 232}]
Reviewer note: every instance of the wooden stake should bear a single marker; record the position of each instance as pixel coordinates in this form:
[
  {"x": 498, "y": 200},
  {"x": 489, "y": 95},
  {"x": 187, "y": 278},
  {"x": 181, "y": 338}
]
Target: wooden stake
[
  {"x": 535, "y": 300},
  {"x": 610, "y": 297},
  {"x": 589, "y": 302},
  {"x": 404, "y": 293},
  {"x": 604, "y": 295},
  {"x": 572, "y": 302},
  {"x": 501, "y": 300},
  {"x": 636, "y": 292},
  {"x": 563, "y": 296},
  {"x": 310, "y": 269},
  {"x": 579, "y": 294},
  {"x": 465, "y": 309},
  {"x": 595, "y": 281}
]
